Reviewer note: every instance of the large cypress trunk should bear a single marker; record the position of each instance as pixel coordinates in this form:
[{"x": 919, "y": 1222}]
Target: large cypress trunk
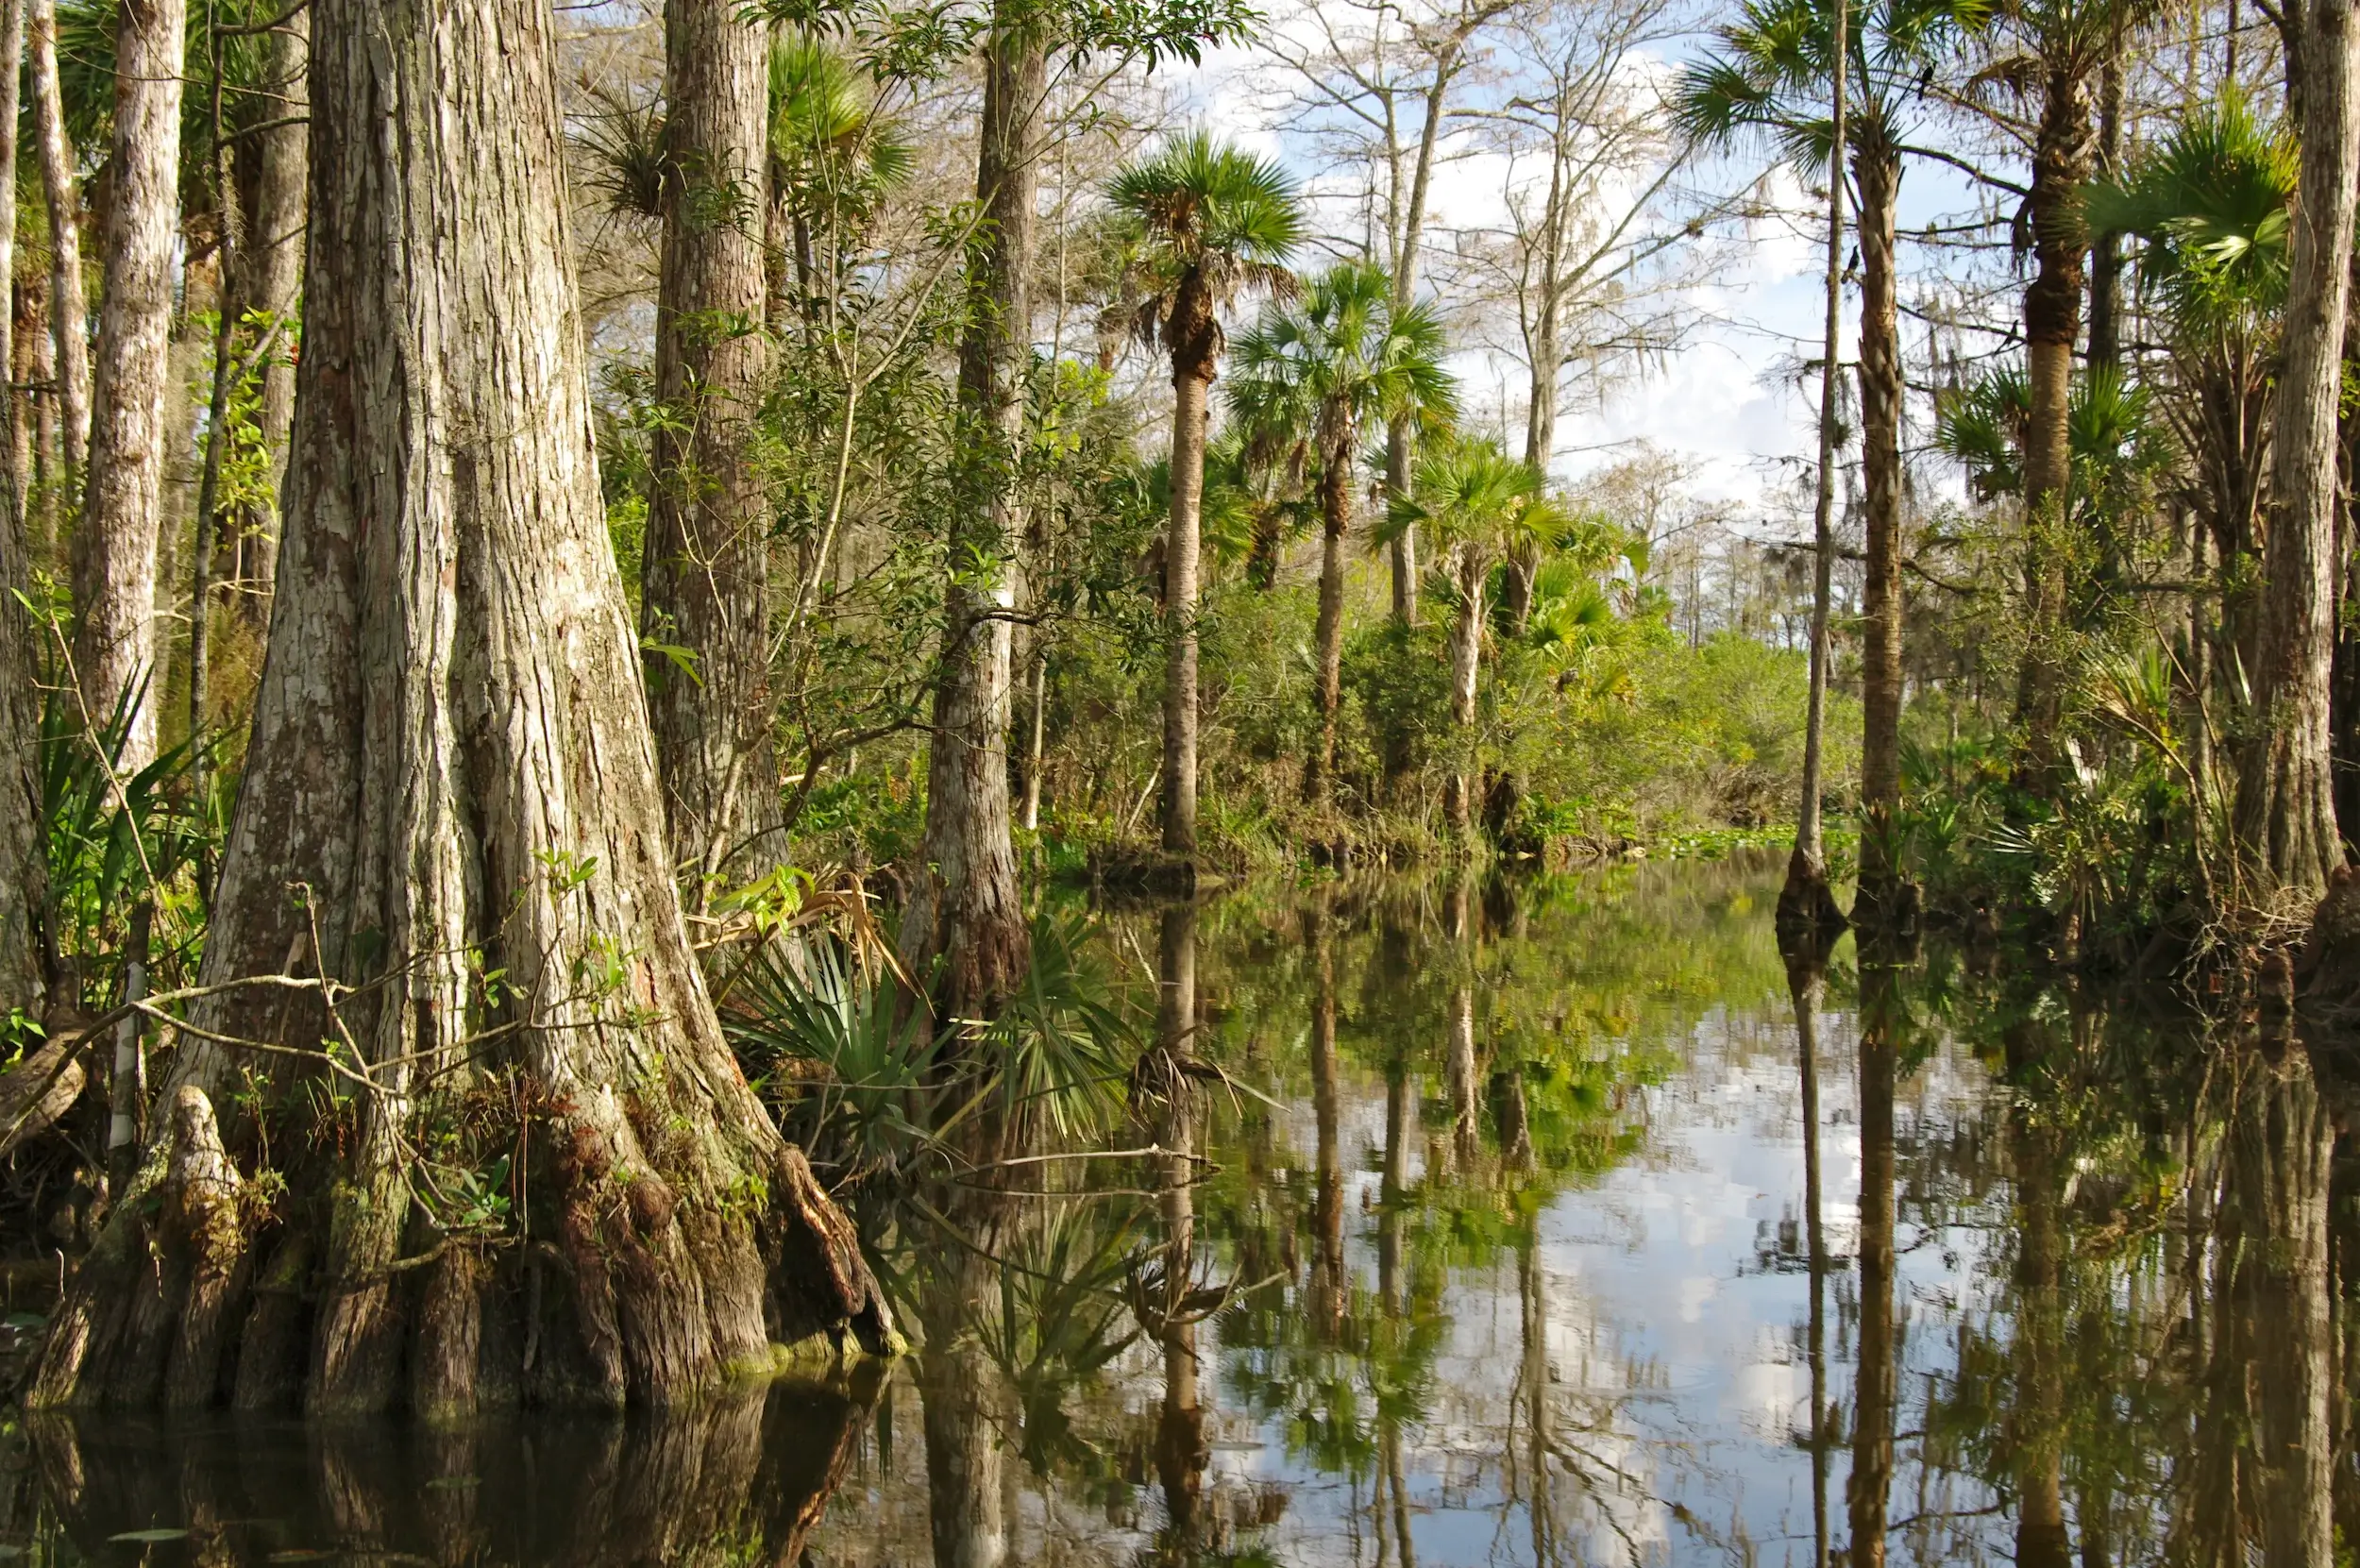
[
  {"x": 2053, "y": 320},
  {"x": 1193, "y": 331},
  {"x": 69, "y": 309},
  {"x": 123, "y": 507},
  {"x": 1877, "y": 170},
  {"x": 2285, "y": 812},
  {"x": 965, "y": 906},
  {"x": 24, "y": 845},
  {"x": 269, "y": 281},
  {"x": 450, "y": 808},
  {"x": 1327, "y": 636},
  {"x": 706, "y": 583}
]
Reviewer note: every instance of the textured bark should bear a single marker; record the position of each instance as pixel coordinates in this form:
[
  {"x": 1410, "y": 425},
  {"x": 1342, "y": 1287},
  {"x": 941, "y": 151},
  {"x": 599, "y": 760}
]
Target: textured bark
[
  {"x": 2053, "y": 320},
  {"x": 2106, "y": 249},
  {"x": 1876, "y": 169},
  {"x": 69, "y": 310},
  {"x": 1327, "y": 635},
  {"x": 23, "y": 840},
  {"x": 123, "y": 507},
  {"x": 705, "y": 577},
  {"x": 1805, "y": 904},
  {"x": 269, "y": 281},
  {"x": 2286, "y": 811},
  {"x": 13, "y": 469},
  {"x": 41, "y": 1087},
  {"x": 451, "y": 765},
  {"x": 1195, "y": 334},
  {"x": 965, "y": 906}
]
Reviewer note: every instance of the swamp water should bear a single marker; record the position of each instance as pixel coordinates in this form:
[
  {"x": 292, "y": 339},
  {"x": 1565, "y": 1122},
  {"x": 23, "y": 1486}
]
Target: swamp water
[{"x": 1518, "y": 1262}]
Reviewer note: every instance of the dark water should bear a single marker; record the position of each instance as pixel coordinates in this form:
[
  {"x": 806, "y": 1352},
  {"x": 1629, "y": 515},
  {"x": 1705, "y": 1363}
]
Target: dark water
[{"x": 1518, "y": 1262}]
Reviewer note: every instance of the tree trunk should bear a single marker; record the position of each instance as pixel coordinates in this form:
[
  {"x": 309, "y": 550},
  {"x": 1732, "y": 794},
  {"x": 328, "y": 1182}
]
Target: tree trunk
[
  {"x": 1327, "y": 635},
  {"x": 965, "y": 906},
  {"x": 2035, "y": 1436},
  {"x": 1878, "y": 171},
  {"x": 2053, "y": 320},
  {"x": 1191, "y": 381},
  {"x": 1805, "y": 904},
  {"x": 1401, "y": 438},
  {"x": 452, "y": 769},
  {"x": 270, "y": 284},
  {"x": 1539, "y": 418},
  {"x": 2286, "y": 812},
  {"x": 705, "y": 574},
  {"x": 123, "y": 507},
  {"x": 24, "y": 835},
  {"x": 1329, "y": 1284},
  {"x": 69, "y": 310},
  {"x": 1466, "y": 662},
  {"x": 2106, "y": 249}
]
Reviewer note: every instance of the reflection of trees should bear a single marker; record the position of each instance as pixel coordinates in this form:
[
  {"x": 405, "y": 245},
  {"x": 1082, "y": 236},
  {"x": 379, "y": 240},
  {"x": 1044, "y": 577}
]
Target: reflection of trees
[
  {"x": 1873, "y": 1385},
  {"x": 2260, "y": 1489},
  {"x": 1806, "y": 979},
  {"x": 738, "y": 1478}
]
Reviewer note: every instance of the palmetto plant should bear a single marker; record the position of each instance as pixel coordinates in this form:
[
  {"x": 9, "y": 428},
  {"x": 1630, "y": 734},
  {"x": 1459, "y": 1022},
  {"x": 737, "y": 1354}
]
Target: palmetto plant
[
  {"x": 2211, "y": 201},
  {"x": 1206, "y": 222},
  {"x": 1310, "y": 377},
  {"x": 835, "y": 157}
]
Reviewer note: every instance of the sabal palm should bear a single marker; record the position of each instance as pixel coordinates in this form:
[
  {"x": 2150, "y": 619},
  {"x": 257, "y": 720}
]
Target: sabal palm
[
  {"x": 834, "y": 157},
  {"x": 1770, "y": 78},
  {"x": 1311, "y": 375},
  {"x": 1208, "y": 221},
  {"x": 1474, "y": 503},
  {"x": 2212, "y": 206}
]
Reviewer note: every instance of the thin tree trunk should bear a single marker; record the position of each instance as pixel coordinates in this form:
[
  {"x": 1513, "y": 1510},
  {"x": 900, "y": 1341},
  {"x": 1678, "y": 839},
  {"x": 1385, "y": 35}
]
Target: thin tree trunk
[
  {"x": 1805, "y": 900},
  {"x": 1540, "y": 409},
  {"x": 69, "y": 310},
  {"x": 1036, "y": 742},
  {"x": 1401, "y": 433},
  {"x": 14, "y": 471},
  {"x": 23, "y": 839},
  {"x": 965, "y": 906},
  {"x": 2053, "y": 322},
  {"x": 270, "y": 284},
  {"x": 122, "y": 509},
  {"x": 1329, "y": 1278},
  {"x": 705, "y": 574},
  {"x": 2106, "y": 249},
  {"x": 1466, "y": 664},
  {"x": 451, "y": 764},
  {"x": 1878, "y": 171},
  {"x": 1327, "y": 635},
  {"x": 1191, "y": 380},
  {"x": 2285, "y": 814}
]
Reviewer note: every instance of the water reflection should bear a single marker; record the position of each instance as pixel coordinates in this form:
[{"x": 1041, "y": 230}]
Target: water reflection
[{"x": 1459, "y": 1222}]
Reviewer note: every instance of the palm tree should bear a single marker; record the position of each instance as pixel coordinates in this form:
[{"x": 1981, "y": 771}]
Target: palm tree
[
  {"x": 1211, "y": 221},
  {"x": 1774, "y": 76},
  {"x": 2061, "y": 47},
  {"x": 834, "y": 157},
  {"x": 1474, "y": 503},
  {"x": 1311, "y": 374}
]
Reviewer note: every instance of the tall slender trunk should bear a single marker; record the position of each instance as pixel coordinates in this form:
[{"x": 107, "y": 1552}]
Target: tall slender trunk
[
  {"x": 451, "y": 761},
  {"x": 2286, "y": 812},
  {"x": 1466, "y": 664},
  {"x": 123, "y": 507},
  {"x": 1805, "y": 900},
  {"x": 24, "y": 838},
  {"x": 1327, "y": 636},
  {"x": 965, "y": 906},
  {"x": 14, "y": 471},
  {"x": 2283, "y": 1148},
  {"x": 705, "y": 580},
  {"x": 69, "y": 309},
  {"x": 269, "y": 284},
  {"x": 1193, "y": 328},
  {"x": 1877, "y": 169},
  {"x": 1401, "y": 435},
  {"x": 1545, "y": 353},
  {"x": 2052, "y": 321},
  {"x": 2106, "y": 248},
  {"x": 1330, "y": 1281},
  {"x": 1806, "y": 979}
]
